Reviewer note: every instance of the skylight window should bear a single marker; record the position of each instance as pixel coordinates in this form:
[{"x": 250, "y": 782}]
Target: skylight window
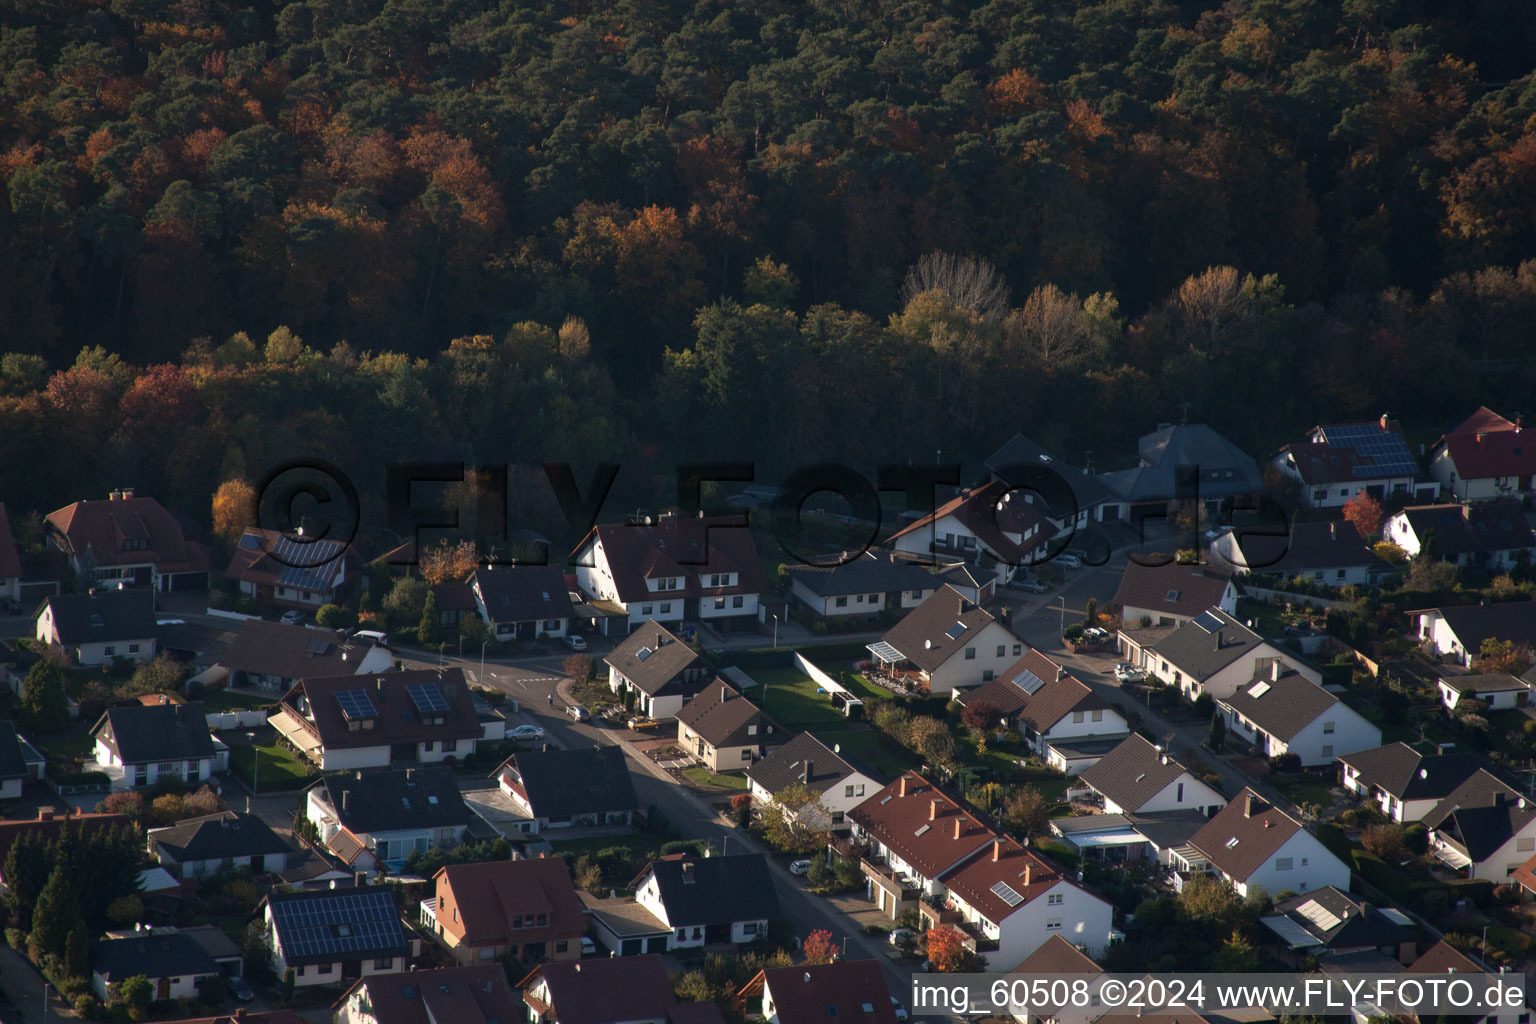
[
  {"x": 1173, "y": 595},
  {"x": 1259, "y": 689},
  {"x": 1231, "y": 842},
  {"x": 923, "y": 830},
  {"x": 956, "y": 631}
]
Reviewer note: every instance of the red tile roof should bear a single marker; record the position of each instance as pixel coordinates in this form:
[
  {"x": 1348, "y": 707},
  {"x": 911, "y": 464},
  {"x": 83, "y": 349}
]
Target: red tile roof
[
  {"x": 104, "y": 527},
  {"x": 491, "y": 894},
  {"x": 603, "y": 991},
  {"x": 1441, "y": 958},
  {"x": 462, "y": 995},
  {"x": 1486, "y": 445},
  {"x": 398, "y": 719},
  {"x": 810, "y": 991},
  {"x": 1258, "y": 827},
  {"x": 1172, "y": 589},
  {"x": 1003, "y": 861},
  {"x": 994, "y": 520},
  {"x": 1061, "y": 695},
  {"x": 721, "y": 715},
  {"x": 923, "y": 635},
  {"x": 912, "y": 818},
  {"x": 1057, "y": 956}
]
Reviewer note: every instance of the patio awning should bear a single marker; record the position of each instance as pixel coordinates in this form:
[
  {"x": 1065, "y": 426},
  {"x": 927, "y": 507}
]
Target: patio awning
[
  {"x": 1119, "y": 837},
  {"x": 294, "y": 732},
  {"x": 885, "y": 652},
  {"x": 1293, "y": 934}
]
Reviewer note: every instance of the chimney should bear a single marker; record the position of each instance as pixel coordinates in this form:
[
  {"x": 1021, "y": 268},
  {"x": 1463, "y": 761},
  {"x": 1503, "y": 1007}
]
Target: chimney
[
  {"x": 410, "y": 776},
  {"x": 1060, "y": 671},
  {"x": 45, "y": 814},
  {"x": 687, "y": 872},
  {"x": 957, "y": 828},
  {"x": 1519, "y": 422},
  {"x": 725, "y": 693},
  {"x": 127, "y": 493},
  {"x": 997, "y": 850},
  {"x": 903, "y": 791},
  {"x": 1274, "y": 670},
  {"x": 933, "y": 810},
  {"x": 1218, "y": 639},
  {"x": 1027, "y": 872},
  {"x": 1333, "y": 531},
  {"x": 346, "y": 796},
  {"x": 1250, "y": 804},
  {"x": 239, "y": 1013},
  {"x": 1478, "y": 437},
  {"x": 360, "y": 878},
  {"x": 114, "y": 495},
  {"x": 1386, "y": 421},
  {"x": 807, "y": 772}
]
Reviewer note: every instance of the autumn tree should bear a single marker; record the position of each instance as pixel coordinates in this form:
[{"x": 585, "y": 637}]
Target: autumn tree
[
  {"x": 234, "y": 509},
  {"x": 794, "y": 819},
  {"x": 449, "y": 563},
  {"x": 1384, "y": 840},
  {"x": 931, "y": 738},
  {"x": 1026, "y": 811},
  {"x": 971, "y": 284},
  {"x": 1364, "y": 512},
  {"x": 819, "y": 948},
  {"x": 946, "y": 949},
  {"x": 1208, "y": 898},
  {"x": 577, "y": 667}
]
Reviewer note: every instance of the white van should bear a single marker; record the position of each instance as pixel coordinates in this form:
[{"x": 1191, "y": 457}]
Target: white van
[{"x": 373, "y": 636}]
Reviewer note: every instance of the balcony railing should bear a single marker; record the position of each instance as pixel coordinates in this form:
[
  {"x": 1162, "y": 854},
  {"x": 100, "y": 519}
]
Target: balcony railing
[{"x": 907, "y": 887}]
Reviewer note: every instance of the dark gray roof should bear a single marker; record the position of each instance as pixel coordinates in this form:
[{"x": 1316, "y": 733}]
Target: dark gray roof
[
  {"x": 159, "y": 732},
  {"x": 1406, "y": 774},
  {"x": 218, "y": 836},
  {"x": 291, "y": 652},
  {"x": 716, "y": 890},
  {"x": 1451, "y": 530},
  {"x": 1514, "y": 621},
  {"x": 577, "y": 780},
  {"x": 1281, "y": 707},
  {"x": 1310, "y": 547},
  {"x": 1190, "y": 444},
  {"x": 523, "y": 593},
  {"x": 872, "y": 572},
  {"x": 164, "y": 955},
  {"x": 1347, "y": 924},
  {"x": 1200, "y": 649},
  {"x": 652, "y": 656},
  {"x": 1485, "y": 682},
  {"x": 1460, "y": 815},
  {"x": 1132, "y": 773},
  {"x": 1020, "y": 450},
  {"x": 103, "y": 616},
  {"x": 13, "y": 759},
  {"x": 377, "y": 801},
  {"x": 788, "y": 764},
  {"x": 338, "y": 924},
  {"x": 1175, "y": 588}
]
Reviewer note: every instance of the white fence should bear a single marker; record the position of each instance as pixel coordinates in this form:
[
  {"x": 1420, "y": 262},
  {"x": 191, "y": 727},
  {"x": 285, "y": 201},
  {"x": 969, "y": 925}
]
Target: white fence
[
  {"x": 239, "y": 616},
  {"x": 237, "y": 719},
  {"x": 826, "y": 682},
  {"x": 1264, "y": 594}
]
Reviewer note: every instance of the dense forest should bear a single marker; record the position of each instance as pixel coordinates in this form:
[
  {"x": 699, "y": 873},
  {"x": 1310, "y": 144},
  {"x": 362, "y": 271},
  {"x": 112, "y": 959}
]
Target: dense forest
[{"x": 651, "y": 230}]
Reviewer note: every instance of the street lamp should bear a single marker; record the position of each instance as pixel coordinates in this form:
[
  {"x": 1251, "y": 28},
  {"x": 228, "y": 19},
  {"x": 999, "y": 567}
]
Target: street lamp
[
  {"x": 775, "y": 629},
  {"x": 1063, "y": 613}
]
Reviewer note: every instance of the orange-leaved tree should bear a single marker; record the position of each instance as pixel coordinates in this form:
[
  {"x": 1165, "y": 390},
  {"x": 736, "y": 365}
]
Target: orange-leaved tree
[{"x": 819, "y": 947}]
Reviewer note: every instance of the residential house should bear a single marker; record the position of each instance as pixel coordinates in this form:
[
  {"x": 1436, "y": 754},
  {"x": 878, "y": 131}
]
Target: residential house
[
  {"x": 1166, "y": 595},
  {"x": 1495, "y": 691},
  {"x": 706, "y": 900},
  {"x": 16, "y": 661},
  {"x": 173, "y": 962},
  {"x": 1459, "y": 632},
  {"x": 1328, "y": 923},
  {"x": 1333, "y": 554},
  {"x": 476, "y": 994},
  {"x": 1181, "y": 462},
  {"x": 20, "y": 762},
  {"x": 1119, "y": 838},
  {"x": 871, "y": 583},
  {"x": 576, "y": 787},
  {"x": 215, "y": 842},
  {"x": 852, "y": 990},
  {"x": 1403, "y": 783},
  {"x": 268, "y": 655},
  {"x": 100, "y": 626},
  {"x": 523, "y": 602},
  {"x": 661, "y": 671},
  {"x": 1022, "y": 463},
  {"x": 49, "y": 825},
  {"x": 412, "y": 716},
  {"x": 455, "y": 601},
  {"x": 725, "y": 731},
  {"x": 947, "y": 643},
  {"x": 1338, "y": 463},
  {"x": 334, "y": 936},
  {"x": 311, "y": 869},
  {"x": 1484, "y": 458},
  {"x": 835, "y": 785},
  {"x": 1252, "y": 843},
  {"x": 142, "y": 744},
  {"x": 1490, "y": 535},
  {"x": 674, "y": 570},
  {"x": 525, "y": 910},
  {"x": 1280, "y": 711},
  {"x": 1212, "y": 654},
  {"x": 991, "y": 526},
  {"x": 1139, "y": 778},
  {"x": 290, "y": 569},
  {"x": 1485, "y": 828},
  {"x": 1009, "y": 901},
  {"x": 371, "y": 820},
  {"x": 621, "y": 990},
  {"x": 128, "y": 540},
  {"x": 970, "y": 581},
  {"x": 1055, "y": 956},
  {"x": 915, "y": 835},
  {"x": 1055, "y": 712}
]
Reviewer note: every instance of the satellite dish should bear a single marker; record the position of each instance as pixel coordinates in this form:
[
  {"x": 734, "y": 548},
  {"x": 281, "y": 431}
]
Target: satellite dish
[
  {"x": 1423, "y": 773},
  {"x": 928, "y": 645},
  {"x": 647, "y": 520},
  {"x": 837, "y": 748}
]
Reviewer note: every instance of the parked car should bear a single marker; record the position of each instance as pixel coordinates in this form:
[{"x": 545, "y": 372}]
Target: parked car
[
  {"x": 576, "y": 643},
  {"x": 526, "y": 732},
  {"x": 899, "y": 1010},
  {"x": 800, "y": 867},
  {"x": 1095, "y": 634},
  {"x": 241, "y": 990},
  {"x": 639, "y": 723},
  {"x": 579, "y": 712},
  {"x": 588, "y": 947},
  {"x": 292, "y": 617},
  {"x": 1299, "y": 629},
  {"x": 899, "y": 936},
  {"x": 373, "y": 636},
  {"x": 1067, "y": 561},
  {"x": 1031, "y": 587},
  {"x": 1125, "y": 672}
]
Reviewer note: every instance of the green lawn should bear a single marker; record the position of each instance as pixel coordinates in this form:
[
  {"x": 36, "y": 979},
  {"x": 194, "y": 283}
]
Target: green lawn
[
  {"x": 226, "y": 700},
  {"x": 279, "y": 768},
  {"x": 70, "y": 744},
  {"x": 705, "y": 779},
  {"x": 791, "y": 698},
  {"x": 867, "y": 747}
]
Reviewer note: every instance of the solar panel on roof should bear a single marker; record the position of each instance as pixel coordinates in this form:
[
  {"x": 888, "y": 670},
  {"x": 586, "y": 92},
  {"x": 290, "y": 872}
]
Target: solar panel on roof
[
  {"x": 319, "y": 645},
  {"x": 428, "y": 697},
  {"x": 356, "y": 704},
  {"x": 1028, "y": 681},
  {"x": 1258, "y": 689},
  {"x": 1007, "y": 893},
  {"x": 1387, "y": 453},
  {"x": 1208, "y": 621},
  {"x": 956, "y": 631},
  {"x": 1319, "y": 915}
]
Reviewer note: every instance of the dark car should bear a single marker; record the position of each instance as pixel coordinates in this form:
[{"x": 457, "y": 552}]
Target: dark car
[{"x": 241, "y": 990}]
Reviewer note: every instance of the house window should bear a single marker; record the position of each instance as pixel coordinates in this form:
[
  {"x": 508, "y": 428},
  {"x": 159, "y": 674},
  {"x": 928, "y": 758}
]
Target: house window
[
  {"x": 970, "y": 654},
  {"x": 645, "y": 609},
  {"x": 1319, "y": 495},
  {"x": 752, "y": 730},
  {"x": 860, "y": 791},
  {"x": 859, "y": 599},
  {"x": 1002, "y": 649},
  {"x": 110, "y": 651},
  {"x": 842, "y": 602},
  {"x": 300, "y": 972},
  {"x": 325, "y": 968},
  {"x": 986, "y": 676},
  {"x": 450, "y": 745},
  {"x": 133, "y": 648},
  {"x": 848, "y": 792},
  {"x": 1053, "y": 926},
  {"x": 837, "y": 817},
  {"x": 1054, "y": 899},
  {"x": 1077, "y": 718},
  {"x": 719, "y": 602},
  {"x": 427, "y": 747},
  {"x": 384, "y": 963},
  {"x": 1327, "y": 728},
  {"x": 487, "y": 953},
  {"x": 550, "y": 624},
  {"x": 1179, "y": 795},
  {"x": 1343, "y": 492},
  {"x": 562, "y": 945},
  {"x": 167, "y": 768},
  {"x": 746, "y": 755},
  {"x": 1318, "y": 576},
  {"x": 1525, "y": 845},
  {"x": 1018, "y": 649},
  {"x": 1284, "y": 863},
  {"x": 1339, "y": 574},
  {"x": 666, "y": 607},
  {"x": 1327, "y": 751},
  {"x": 738, "y": 601},
  {"x": 750, "y": 928},
  {"x": 916, "y": 595},
  {"x": 1096, "y": 716},
  {"x": 874, "y": 598}
]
